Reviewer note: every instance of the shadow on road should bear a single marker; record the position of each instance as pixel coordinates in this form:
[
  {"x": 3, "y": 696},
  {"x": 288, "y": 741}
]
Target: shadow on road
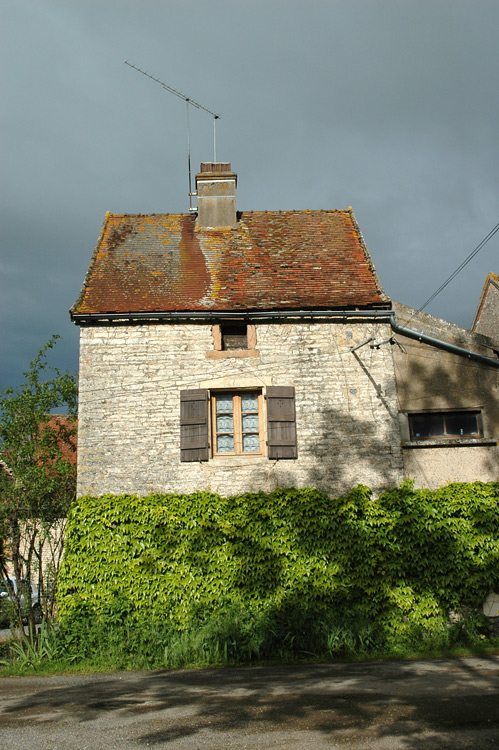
[{"x": 415, "y": 702}]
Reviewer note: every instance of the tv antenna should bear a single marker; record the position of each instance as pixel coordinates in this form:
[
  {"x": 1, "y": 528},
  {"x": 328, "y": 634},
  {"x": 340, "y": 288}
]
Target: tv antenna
[{"x": 188, "y": 101}]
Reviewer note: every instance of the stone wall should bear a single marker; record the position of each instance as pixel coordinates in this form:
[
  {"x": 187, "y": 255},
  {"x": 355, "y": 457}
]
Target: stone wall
[
  {"x": 129, "y": 420},
  {"x": 487, "y": 317}
]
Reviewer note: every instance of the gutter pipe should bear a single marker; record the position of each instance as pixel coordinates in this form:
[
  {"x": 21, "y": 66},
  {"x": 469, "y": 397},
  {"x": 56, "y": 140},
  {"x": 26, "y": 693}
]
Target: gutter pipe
[
  {"x": 234, "y": 314},
  {"x": 388, "y": 315},
  {"x": 423, "y": 337}
]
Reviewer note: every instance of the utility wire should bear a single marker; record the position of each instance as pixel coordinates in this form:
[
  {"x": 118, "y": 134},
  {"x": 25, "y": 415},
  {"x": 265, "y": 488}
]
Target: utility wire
[
  {"x": 463, "y": 264},
  {"x": 455, "y": 273}
]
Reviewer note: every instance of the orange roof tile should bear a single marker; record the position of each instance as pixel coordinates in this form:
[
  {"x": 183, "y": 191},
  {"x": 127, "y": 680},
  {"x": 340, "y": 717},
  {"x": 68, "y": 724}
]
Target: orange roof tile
[{"x": 273, "y": 260}]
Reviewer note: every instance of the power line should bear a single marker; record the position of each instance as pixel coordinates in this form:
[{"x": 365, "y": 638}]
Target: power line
[{"x": 460, "y": 268}]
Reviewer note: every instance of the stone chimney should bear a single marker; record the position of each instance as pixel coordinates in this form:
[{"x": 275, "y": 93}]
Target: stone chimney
[{"x": 216, "y": 190}]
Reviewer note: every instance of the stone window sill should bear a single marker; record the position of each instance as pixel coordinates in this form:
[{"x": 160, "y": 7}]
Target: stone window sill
[
  {"x": 240, "y": 461},
  {"x": 233, "y": 354},
  {"x": 448, "y": 442}
]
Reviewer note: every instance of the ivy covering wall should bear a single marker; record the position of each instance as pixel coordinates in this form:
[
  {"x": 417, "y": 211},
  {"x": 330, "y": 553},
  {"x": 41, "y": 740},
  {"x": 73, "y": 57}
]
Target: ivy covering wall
[{"x": 399, "y": 562}]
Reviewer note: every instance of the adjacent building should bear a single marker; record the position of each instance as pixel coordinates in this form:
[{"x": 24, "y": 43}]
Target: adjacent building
[{"x": 448, "y": 400}]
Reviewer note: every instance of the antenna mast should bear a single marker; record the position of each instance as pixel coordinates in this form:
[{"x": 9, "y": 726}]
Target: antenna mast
[{"x": 188, "y": 101}]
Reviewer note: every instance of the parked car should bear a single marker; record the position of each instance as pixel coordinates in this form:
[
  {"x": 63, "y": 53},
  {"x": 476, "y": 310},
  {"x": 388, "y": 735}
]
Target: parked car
[{"x": 9, "y": 589}]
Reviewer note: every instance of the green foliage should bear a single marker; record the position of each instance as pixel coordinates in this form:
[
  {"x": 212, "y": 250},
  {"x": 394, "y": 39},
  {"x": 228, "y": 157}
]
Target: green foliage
[
  {"x": 34, "y": 447},
  {"x": 34, "y": 652},
  {"x": 40, "y": 482},
  {"x": 204, "y": 579}
]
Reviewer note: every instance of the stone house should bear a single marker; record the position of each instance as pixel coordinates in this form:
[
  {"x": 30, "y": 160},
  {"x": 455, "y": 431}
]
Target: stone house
[{"x": 237, "y": 351}]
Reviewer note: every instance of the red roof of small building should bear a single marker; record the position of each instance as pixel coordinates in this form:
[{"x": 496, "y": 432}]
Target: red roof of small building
[
  {"x": 64, "y": 425},
  {"x": 273, "y": 260}
]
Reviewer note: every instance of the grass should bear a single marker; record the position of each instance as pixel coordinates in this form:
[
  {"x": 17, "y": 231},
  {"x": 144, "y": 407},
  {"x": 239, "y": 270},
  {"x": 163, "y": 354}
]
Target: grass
[
  {"x": 235, "y": 638},
  {"x": 102, "y": 665}
]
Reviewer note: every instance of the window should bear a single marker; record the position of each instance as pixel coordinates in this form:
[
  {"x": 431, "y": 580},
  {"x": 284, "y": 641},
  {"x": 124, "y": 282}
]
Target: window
[
  {"x": 433, "y": 425},
  {"x": 234, "y": 337},
  {"x": 237, "y": 425}
]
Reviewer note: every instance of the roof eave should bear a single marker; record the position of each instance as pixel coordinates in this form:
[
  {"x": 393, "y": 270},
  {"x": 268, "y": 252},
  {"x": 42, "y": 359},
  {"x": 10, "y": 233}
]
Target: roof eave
[{"x": 381, "y": 310}]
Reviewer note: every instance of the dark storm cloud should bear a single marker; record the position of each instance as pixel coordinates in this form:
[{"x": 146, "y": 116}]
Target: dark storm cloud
[{"x": 388, "y": 106}]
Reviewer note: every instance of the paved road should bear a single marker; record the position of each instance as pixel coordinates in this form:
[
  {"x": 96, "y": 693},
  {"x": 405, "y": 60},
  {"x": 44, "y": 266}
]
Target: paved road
[{"x": 423, "y": 705}]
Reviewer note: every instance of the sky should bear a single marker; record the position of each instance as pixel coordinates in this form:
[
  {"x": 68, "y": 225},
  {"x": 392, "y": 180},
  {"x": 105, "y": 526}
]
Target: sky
[{"x": 388, "y": 106}]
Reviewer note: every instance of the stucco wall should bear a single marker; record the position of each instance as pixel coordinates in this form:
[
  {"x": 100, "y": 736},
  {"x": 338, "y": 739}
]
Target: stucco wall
[
  {"x": 435, "y": 467},
  {"x": 130, "y": 381}
]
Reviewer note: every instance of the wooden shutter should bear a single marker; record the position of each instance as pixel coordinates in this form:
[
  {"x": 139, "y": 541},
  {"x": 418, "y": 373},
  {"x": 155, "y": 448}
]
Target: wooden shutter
[
  {"x": 281, "y": 422},
  {"x": 194, "y": 443}
]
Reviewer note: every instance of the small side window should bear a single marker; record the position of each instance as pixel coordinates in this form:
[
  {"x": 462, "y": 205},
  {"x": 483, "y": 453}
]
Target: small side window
[{"x": 433, "y": 425}]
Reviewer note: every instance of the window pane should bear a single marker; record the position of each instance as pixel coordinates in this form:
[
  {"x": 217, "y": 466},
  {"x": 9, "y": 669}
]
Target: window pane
[
  {"x": 442, "y": 424},
  {"x": 427, "y": 425},
  {"x": 251, "y": 444},
  {"x": 249, "y": 401},
  {"x": 224, "y": 403},
  {"x": 225, "y": 444},
  {"x": 225, "y": 423},
  {"x": 236, "y": 422},
  {"x": 464, "y": 423},
  {"x": 250, "y": 422}
]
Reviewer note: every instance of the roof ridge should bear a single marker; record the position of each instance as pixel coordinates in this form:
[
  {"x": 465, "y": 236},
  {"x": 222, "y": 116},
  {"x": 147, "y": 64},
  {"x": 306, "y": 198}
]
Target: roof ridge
[{"x": 347, "y": 210}]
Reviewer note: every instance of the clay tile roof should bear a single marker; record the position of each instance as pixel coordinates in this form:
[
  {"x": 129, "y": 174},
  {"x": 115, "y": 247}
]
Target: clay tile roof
[
  {"x": 274, "y": 260},
  {"x": 67, "y": 423}
]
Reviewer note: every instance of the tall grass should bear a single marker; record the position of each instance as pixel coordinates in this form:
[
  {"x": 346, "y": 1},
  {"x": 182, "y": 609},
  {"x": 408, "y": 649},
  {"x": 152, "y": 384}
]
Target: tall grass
[{"x": 232, "y": 637}]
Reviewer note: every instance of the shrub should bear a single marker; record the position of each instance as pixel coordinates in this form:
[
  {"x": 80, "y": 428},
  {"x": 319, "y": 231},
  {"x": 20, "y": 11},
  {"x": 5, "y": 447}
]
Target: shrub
[{"x": 276, "y": 575}]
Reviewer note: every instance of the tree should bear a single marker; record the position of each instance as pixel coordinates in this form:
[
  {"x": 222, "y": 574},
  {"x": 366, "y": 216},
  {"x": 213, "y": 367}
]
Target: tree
[{"x": 37, "y": 482}]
